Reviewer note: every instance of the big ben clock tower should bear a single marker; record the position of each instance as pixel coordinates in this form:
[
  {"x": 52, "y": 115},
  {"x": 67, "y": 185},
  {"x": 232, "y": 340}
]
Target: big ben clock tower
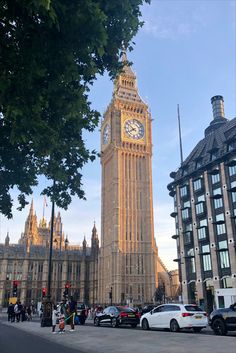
[{"x": 128, "y": 254}]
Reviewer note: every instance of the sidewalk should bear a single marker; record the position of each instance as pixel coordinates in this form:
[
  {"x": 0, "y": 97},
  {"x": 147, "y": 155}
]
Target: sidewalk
[{"x": 90, "y": 339}]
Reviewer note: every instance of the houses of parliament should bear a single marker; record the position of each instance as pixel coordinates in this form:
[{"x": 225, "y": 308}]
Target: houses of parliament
[{"x": 125, "y": 262}]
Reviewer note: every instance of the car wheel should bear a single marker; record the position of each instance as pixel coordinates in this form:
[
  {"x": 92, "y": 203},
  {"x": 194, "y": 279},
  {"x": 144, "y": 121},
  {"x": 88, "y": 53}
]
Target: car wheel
[
  {"x": 219, "y": 328},
  {"x": 174, "y": 326},
  {"x": 133, "y": 325},
  {"x": 96, "y": 321},
  {"x": 197, "y": 329},
  {"x": 145, "y": 325},
  {"x": 113, "y": 322}
]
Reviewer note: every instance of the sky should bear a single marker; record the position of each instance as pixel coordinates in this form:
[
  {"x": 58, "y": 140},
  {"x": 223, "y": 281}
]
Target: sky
[{"x": 184, "y": 54}]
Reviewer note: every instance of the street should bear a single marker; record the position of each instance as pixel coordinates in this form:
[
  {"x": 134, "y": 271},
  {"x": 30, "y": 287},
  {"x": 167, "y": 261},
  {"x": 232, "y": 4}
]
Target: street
[
  {"x": 13, "y": 340},
  {"x": 30, "y": 337}
]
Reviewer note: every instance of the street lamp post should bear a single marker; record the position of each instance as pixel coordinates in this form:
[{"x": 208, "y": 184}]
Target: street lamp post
[
  {"x": 47, "y": 303},
  {"x": 110, "y": 295}
]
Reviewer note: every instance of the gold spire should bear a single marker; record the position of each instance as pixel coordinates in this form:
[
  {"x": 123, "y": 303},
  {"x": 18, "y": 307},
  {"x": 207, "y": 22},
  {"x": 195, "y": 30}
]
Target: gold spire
[
  {"x": 32, "y": 208},
  {"x": 127, "y": 71},
  {"x": 125, "y": 85}
]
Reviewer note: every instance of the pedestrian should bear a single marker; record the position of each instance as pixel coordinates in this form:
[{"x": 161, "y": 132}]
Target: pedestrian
[
  {"x": 16, "y": 312},
  {"x": 23, "y": 313},
  {"x": 61, "y": 323},
  {"x": 10, "y": 312},
  {"x": 72, "y": 313},
  {"x": 89, "y": 314},
  {"x": 29, "y": 313},
  {"x": 54, "y": 318},
  {"x": 19, "y": 311}
]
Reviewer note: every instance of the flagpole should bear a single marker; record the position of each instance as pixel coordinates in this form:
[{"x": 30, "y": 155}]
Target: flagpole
[
  {"x": 43, "y": 206},
  {"x": 180, "y": 137},
  {"x": 47, "y": 304}
]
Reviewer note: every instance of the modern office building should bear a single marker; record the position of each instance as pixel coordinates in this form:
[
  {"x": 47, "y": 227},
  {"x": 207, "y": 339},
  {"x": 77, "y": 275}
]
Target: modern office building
[{"x": 204, "y": 192}]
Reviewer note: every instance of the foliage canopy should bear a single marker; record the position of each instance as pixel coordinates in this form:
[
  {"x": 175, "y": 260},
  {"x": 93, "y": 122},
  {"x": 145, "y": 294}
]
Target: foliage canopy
[{"x": 50, "y": 54}]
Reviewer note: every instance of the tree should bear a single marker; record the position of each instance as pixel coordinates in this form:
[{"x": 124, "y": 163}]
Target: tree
[
  {"x": 160, "y": 293},
  {"x": 51, "y": 52}
]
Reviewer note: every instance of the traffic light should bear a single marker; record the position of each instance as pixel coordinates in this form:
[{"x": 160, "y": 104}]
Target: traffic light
[
  {"x": 15, "y": 283},
  {"x": 66, "y": 291},
  {"x": 44, "y": 290}
]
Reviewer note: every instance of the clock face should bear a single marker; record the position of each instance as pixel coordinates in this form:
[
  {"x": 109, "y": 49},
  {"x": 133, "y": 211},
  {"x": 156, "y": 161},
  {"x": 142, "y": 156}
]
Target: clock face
[
  {"x": 134, "y": 129},
  {"x": 106, "y": 134}
]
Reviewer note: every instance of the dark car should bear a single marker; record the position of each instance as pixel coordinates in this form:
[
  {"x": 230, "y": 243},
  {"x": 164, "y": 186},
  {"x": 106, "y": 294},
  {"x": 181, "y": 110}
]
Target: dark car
[
  {"x": 116, "y": 316},
  {"x": 147, "y": 309},
  {"x": 223, "y": 320},
  {"x": 81, "y": 312}
]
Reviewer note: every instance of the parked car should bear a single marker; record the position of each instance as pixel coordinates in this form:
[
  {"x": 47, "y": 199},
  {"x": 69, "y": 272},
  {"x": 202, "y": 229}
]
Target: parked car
[
  {"x": 116, "y": 316},
  {"x": 175, "y": 317},
  {"x": 223, "y": 320},
  {"x": 81, "y": 312}
]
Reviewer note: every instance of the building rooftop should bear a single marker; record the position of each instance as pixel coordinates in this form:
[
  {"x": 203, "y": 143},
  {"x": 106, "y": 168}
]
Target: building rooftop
[{"x": 218, "y": 142}]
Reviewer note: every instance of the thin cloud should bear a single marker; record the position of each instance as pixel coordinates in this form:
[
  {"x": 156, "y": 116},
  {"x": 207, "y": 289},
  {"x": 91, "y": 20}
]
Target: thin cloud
[
  {"x": 166, "y": 28},
  {"x": 175, "y": 24}
]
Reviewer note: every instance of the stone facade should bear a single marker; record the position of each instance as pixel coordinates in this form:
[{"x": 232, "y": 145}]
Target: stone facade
[
  {"x": 78, "y": 266},
  {"x": 129, "y": 255},
  {"x": 27, "y": 263}
]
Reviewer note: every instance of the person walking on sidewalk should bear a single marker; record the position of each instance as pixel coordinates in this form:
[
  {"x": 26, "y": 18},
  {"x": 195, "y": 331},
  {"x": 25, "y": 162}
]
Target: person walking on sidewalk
[
  {"x": 10, "y": 312},
  {"x": 72, "y": 312},
  {"x": 17, "y": 311},
  {"x": 54, "y": 318}
]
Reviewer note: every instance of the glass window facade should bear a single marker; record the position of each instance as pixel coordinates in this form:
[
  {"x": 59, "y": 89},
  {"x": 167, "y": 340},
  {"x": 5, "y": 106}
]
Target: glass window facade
[
  {"x": 203, "y": 222},
  {"x": 197, "y": 184},
  {"x": 202, "y": 230},
  {"x": 206, "y": 257},
  {"x": 192, "y": 267},
  {"x": 201, "y": 198},
  {"x": 199, "y": 208},
  {"x": 224, "y": 254},
  {"x": 217, "y": 191},
  {"x": 185, "y": 213},
  {"x": 187, "y": 237},
  {"x": 215, "y": 178},
  {"x": 186, "y": 204},
  {"x": 220, "y": 217},
  {"x": 218, "y": 203},
  {"x": 183, "y": 191},
  {"x": 232, "y": 170},
  {"x": 202, "y": 233},
  {"x": 233, "y": 194},
  {"x": 220, "y": 228},
  {"x": 188, "y": 233}
]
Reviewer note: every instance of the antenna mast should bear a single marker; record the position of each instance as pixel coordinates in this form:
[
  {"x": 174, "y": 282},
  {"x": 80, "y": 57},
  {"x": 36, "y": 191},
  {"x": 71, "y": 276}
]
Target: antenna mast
[{"x": 180, "y": 138}]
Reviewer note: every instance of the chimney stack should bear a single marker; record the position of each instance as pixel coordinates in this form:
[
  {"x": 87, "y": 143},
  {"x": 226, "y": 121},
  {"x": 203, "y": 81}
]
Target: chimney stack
[{"x": 218, "y": 107}]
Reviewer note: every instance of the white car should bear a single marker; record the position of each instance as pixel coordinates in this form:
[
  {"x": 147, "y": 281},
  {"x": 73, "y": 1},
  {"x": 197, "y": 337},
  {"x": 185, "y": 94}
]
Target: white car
[{"x": 175, "y": 317}]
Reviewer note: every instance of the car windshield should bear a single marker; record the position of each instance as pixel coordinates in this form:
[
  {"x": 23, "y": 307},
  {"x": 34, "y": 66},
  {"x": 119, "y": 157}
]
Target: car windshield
[
  {"x": 80, "y": 306},
  {"x": 124, "y": 309},
  {"x": 192, "y": 308}
]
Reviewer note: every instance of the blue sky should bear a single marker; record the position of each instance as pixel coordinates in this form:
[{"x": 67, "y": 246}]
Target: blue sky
[{"x": 184, "y": 54}]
